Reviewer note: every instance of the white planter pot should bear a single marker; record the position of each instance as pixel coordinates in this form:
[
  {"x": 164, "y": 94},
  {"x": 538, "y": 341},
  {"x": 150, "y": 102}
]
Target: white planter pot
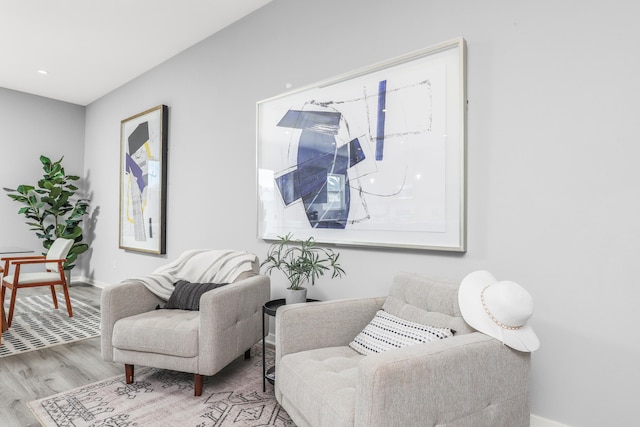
[{"x": 295, "y": 296}]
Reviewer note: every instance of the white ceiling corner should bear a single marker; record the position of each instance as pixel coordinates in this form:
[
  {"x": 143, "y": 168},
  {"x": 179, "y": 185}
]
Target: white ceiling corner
[{"x": 91, "y": 47}]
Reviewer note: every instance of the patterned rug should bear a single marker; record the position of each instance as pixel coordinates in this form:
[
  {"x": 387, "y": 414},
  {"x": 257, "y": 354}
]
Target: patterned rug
[
  {"x": 36, "y": 324},
  {"x": 232, "y": 397}
]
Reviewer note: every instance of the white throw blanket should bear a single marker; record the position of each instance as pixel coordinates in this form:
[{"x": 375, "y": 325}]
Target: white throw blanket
[{"x": 198, "y": 266}]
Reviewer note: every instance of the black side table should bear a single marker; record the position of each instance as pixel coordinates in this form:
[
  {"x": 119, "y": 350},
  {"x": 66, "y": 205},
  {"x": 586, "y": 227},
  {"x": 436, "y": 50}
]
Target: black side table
[{"x": 270, "y": 309}]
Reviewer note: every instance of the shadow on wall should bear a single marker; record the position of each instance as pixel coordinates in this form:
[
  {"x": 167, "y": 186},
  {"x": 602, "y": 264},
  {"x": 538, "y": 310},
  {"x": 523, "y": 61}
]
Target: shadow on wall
[{"x": 90, "y": 229}]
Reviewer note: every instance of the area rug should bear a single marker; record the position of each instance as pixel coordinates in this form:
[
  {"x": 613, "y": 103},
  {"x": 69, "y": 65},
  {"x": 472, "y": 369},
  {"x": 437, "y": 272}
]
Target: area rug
[
  {"x": 232, "y": 397},
  {"x": 37, "y": 324}
]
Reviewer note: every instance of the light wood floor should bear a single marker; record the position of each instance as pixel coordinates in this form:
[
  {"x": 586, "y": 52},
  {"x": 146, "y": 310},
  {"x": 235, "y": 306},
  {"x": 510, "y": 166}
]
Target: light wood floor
[{"x": 29, "y": 376}]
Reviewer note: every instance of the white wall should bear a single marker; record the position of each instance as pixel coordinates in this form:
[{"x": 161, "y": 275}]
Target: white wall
[
  {"x": 31, "y": 126},
  {"x": 553, "y": 177}
]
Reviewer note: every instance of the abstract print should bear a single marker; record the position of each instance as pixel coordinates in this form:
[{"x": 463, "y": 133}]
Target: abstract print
[
  {"x": 142, "y": 181},
  {"x": 337, "y": 142},
  {"x": 138, "y": 157},
  {"x": 374, "y": 156}
]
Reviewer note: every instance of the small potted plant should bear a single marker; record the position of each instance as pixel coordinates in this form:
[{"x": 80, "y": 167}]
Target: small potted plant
[{"x": 302, "y": 261}]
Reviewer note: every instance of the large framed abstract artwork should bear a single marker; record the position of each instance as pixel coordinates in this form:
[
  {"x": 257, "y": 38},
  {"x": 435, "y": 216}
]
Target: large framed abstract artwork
[
  {"x": 143, "y": 179},
  {"x": 375, "y": 157}
]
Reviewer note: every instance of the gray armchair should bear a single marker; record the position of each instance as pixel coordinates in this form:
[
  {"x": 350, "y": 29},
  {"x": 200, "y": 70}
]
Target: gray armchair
[
  {"x": 228, "y": 324},
  {"x": 469, "y": 379}
]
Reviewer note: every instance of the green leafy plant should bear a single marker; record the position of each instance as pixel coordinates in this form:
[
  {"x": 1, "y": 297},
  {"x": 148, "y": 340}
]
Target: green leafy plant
[
  {"x": 51, "y": 210},
  {"x": 302, "y": 261}
]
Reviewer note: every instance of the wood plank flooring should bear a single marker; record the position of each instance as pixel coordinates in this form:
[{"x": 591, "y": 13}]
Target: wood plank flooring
[{"x": 29, "y": 376}]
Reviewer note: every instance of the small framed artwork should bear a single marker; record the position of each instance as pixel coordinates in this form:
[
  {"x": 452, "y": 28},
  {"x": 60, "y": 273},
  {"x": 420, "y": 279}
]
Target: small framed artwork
[
  {"x": 375, "y": 157},
  {"x": 143, "y": 181}
]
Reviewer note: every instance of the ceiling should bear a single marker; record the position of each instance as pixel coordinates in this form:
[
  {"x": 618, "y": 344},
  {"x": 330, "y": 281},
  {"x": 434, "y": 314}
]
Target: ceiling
[{"x": 90, "y": 47}]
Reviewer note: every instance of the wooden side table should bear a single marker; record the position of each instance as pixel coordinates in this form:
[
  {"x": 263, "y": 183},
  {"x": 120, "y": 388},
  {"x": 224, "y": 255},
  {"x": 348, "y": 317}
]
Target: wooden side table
[{"x": 270, "y": 308}]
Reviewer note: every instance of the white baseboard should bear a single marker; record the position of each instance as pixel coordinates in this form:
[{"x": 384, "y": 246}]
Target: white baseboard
[
  {"x": 544, "y": 422},
  {"x": 92, "y": 282},
  {"x": 271, "y": 339}
]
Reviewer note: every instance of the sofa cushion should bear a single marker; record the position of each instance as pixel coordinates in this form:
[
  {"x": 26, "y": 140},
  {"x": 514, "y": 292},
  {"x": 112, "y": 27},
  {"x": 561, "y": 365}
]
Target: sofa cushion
[
  {"x": 388, "y": 332},
  {"x": 427, "y": 301},
  {"x": 321, "y": 384},
  {"x": 186, "y": 295},
  {"x": 172, "y": 332}
]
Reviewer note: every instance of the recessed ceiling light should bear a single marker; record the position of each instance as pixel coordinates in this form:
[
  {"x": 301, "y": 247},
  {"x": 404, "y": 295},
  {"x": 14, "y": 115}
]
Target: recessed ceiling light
[{"x": 43, "y": 72}]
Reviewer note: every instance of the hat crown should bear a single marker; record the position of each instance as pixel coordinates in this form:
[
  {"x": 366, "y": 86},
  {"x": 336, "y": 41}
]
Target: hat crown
[{"x": 508, "y": 303}]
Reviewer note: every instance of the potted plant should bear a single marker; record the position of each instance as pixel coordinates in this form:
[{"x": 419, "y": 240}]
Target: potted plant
[
  {"x": 302, "y": 261},
  {"x": 51, "y": 210}
]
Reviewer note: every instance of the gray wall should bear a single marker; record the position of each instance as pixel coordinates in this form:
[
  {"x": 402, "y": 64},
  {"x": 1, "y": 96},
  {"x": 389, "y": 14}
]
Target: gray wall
[
  {"x": 31, "y": 126},
  {"x": 552, "y": 164}
]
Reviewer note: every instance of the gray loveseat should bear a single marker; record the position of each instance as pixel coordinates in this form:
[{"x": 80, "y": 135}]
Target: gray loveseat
[{"x": 469, "y": 379}]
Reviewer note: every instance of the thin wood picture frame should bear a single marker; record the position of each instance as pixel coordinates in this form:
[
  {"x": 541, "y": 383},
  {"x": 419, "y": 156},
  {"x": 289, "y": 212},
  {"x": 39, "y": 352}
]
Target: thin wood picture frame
[{"x": 143, "y": 181}]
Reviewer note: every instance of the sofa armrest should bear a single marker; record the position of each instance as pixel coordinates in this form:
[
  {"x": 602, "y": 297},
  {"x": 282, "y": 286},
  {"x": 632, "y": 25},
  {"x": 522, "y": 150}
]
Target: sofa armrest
[
  {"x": 422, "y": 384},
  {"x": 231, "y": 321},
  {"x": 313, "y": 325},
  {"x": 122, "y": 300}
]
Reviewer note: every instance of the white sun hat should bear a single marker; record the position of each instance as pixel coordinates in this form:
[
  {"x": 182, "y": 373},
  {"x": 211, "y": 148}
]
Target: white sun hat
[{"x": 498, "y": 309}]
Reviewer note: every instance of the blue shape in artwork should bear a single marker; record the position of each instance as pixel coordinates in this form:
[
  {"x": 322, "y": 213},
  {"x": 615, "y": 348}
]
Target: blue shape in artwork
[
  {"x": 306, "y": 181},
  {"x": 318, "y": 161},
  {"x": 382, "y": 102},
  {"x": 324, "y": 122},
  {"x": 134, "y": 169}
]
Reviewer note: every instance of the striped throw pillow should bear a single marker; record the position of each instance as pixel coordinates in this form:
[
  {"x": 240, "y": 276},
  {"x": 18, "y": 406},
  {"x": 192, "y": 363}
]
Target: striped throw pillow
[{"x": 388, "y": 332}]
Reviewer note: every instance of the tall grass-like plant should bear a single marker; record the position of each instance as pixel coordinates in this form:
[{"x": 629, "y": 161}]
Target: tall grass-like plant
[
  {"x": 302, "y": 261},
  {"x": 51, "y": 210}
]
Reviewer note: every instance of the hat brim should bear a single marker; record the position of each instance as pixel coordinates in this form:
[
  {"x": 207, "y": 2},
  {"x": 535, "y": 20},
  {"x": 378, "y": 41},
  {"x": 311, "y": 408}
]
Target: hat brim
[{"x": 523, "y": 339}]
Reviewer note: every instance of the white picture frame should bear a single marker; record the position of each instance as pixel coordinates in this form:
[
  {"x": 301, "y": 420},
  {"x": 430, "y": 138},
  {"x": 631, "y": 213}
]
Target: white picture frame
[{"x": 375, "y": 157}]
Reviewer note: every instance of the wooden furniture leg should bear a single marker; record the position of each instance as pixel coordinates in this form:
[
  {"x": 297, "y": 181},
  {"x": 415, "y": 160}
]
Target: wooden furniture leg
[
  {"x": 53, "y": 295},
  {"x": 65, "y": 289},
  {"x": 197, "y": 384},
  {"x": 3, "y": 320},
  {"x": 12, "y": 305},
  {"x": 4, "y": 324},
  {"x": 128, "y": 373}
]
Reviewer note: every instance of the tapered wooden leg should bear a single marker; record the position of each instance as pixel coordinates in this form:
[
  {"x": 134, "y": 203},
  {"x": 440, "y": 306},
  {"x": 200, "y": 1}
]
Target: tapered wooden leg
[
  {"x": 197, "y": 384},
  {"x": 67, "y": 299},
  {"x": 12, "y": 305},
  {"x": 53, "y": 295},
  {"x": 3, "y": 320},
  {"x": 128, "y": 373}
]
